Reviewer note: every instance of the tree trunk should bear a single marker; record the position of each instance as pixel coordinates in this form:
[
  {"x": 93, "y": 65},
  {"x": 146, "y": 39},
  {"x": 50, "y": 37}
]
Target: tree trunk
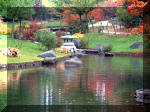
[
  {"x": 92, "y": 24},
  {"x": 87, "y": 28},
  {"x": 13, "y": 28},
  {"x": 80, "y": 15},
  {"x": 20, "y": 25},
  {"x": 107, "y": 27},
  {"x": 114, "y": 28}
]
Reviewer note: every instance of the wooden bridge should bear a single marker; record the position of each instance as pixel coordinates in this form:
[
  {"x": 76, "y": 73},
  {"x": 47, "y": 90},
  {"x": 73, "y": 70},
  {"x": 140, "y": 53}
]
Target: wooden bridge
[{"x": 56, "y": 28}]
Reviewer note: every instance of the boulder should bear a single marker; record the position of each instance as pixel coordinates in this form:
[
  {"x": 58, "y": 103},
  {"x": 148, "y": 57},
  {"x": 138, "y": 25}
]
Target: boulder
[
  {"x": 136, "y": 45},
  {"x": 19, "y": 36},
  {"x": 36, "y": 42},
  {"x": 107, "y": 54},
  {"x": 73, "y": 61},
  {"x": 50, "y": 60},
  {"x": 50, "y": 53},
  {"x": 80, "y": 53}
]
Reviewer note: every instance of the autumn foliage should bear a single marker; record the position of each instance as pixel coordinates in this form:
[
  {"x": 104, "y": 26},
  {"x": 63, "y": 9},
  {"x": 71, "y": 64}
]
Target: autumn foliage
[
  {"x": 28, "y": 30},
  {"x": 59, "y": 40},
  {"x": 138, "y": 53},
  {"x": 4, "y": 29},
  {"x": 136, "y": 7},
  {"x": 68, "y": 16}
]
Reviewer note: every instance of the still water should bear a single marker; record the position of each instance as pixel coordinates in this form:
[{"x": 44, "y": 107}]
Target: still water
[{"x": 99, "y": 81}]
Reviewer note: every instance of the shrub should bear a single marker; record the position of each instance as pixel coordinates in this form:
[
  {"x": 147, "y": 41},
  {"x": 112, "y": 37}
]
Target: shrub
[
  {"x": 28, "y": 30},
  {"x": 46, "y": 38},
  {"x": 4, "y": 29},
  {"x": 83, "y": 43},
  {"x": 74, "y": 26},
  {"x": 59, "y": 40},
  {"x": 108, "y": 48}
]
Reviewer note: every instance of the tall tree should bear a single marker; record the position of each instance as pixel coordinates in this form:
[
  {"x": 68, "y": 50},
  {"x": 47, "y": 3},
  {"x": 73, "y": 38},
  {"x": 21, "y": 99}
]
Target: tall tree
[
  {"x": 82, "y": 8},
  {"x": 15, "y": 9}
]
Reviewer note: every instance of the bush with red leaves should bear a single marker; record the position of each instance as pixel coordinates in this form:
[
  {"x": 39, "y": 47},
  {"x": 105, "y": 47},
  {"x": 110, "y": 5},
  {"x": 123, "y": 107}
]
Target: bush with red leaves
[{"x": 28, "y": 30}]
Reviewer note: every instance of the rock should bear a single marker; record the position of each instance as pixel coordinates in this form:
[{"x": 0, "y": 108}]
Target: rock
[
  {"x": 19, "y": 36},
  {"x": 50, "y": 53},
  {"x": 76, "y": 43},
  {"x": 36, "y": 42},
  {"x": 136, "y": 45},
  {"x": 143, "y": 95},
  {"x": 107, "y": 54},
  {"x": 73, "y": 61},
  {"x": 80, "y": 53},
  {"x": 50, "y": 60}
]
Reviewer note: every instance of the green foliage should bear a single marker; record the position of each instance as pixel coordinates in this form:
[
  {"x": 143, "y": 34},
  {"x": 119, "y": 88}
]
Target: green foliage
[
  {"x": 126, "y": 19},
  {"x": 76, "y": 3},
  {"x": 29, "y": 51},
  {"x": 47, "y": 38},
  {"x": 55, "y": 23},
  {"x": 120, "y": 44},
  {"x": 74, "y": 27},
  {"x": 84, "y": 43},
  {"x": 5, "y": 5},
  {"x": 108, "y": 48}
]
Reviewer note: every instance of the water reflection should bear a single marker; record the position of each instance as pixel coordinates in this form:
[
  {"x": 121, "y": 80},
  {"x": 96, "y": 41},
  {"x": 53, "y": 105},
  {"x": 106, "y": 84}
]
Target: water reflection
[
  {"x": 100, "y": 80},
  {"x": 3, "y": 89}
]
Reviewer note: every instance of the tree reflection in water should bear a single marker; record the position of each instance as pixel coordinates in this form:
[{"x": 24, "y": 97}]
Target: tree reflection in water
[{"x": 100, "y": 81}]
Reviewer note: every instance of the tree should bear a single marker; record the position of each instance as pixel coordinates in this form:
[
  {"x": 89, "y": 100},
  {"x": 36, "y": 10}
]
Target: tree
[
  {"x": 81, "y": 8},
  {"x": 131, "y": 12},
  {"x": 3, "y": 8},
  {"x": 15, "y": 10}
]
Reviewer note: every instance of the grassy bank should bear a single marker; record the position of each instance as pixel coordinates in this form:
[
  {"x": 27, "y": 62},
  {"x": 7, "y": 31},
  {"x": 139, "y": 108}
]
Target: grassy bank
[
  {"x": 28, "y": 50},
  {"x": 47, "y": 24},
  {"x": 119, "y": 44},
  {"x": 55, "y": 23}
]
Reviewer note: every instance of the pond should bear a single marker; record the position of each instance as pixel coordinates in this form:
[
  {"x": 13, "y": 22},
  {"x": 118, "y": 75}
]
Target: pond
[{"x": 100, "y": 81}]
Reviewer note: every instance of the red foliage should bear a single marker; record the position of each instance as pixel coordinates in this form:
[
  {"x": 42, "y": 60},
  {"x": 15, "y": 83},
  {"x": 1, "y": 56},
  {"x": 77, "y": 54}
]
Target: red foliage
[
  {"x": 120, "y": 2},
  {"x": 136, "y": 7},
  {"x": 96, "y": 14},
  {"x": 59, "y": 40},
  {"x": 136, "y": 30},
  {"x": 138, "y": 52},
  {"x": 28, "y": 30},
  {"x": 68, "y": 16}
]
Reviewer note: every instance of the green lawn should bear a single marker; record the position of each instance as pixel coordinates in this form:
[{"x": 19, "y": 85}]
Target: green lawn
[
  {"x": 28, "y": 50},
  {"x": 119, "y": 44},
  {"x": 55, "y": 23}
]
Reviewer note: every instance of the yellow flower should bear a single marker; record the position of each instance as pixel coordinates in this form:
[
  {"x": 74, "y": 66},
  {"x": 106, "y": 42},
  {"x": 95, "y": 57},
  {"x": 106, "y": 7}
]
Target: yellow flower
[
  {"x": 78, "y": 35},
  {"x": 27, "y": 26}
]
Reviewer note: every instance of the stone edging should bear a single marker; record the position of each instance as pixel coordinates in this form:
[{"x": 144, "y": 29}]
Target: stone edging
[
  {"x": 95, "y": 51},
  {"x": 40, "y": 63},
  {"x": 27, "y": 64}
]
